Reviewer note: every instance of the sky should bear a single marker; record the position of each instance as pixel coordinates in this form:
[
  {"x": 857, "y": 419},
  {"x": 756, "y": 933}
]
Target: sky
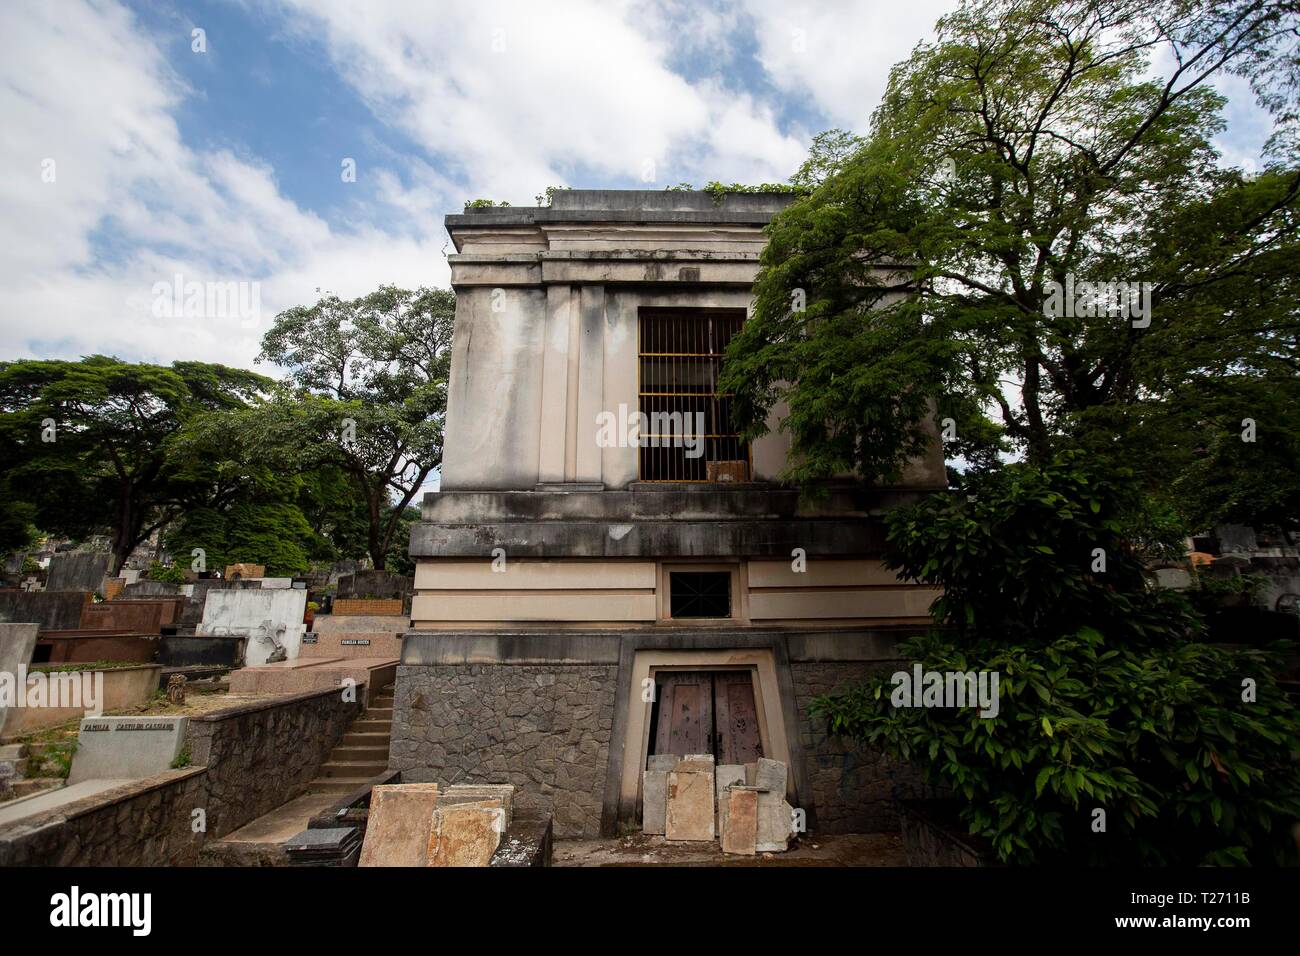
[{"x": 293, "y": 148}]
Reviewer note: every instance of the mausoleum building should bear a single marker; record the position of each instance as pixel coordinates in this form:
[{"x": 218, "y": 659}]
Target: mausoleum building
[{"x": 609, "y": 570}]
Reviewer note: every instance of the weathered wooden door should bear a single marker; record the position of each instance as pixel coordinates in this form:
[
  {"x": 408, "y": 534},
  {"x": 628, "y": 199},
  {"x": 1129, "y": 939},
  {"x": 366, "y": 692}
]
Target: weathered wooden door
[
  {"x": 708, "y": 712},
  {"x": 736, "y": 718},
  {"x": 685, "y": 714}
]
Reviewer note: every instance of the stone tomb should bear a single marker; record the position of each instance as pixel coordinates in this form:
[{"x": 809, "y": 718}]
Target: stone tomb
[
  {"x": 127, "y": 747},
  {"x": 399, "y": 825}
]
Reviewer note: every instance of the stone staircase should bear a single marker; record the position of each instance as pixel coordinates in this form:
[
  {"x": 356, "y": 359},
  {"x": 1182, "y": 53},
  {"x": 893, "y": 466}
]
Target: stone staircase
[{"x": 362, "y": 754}]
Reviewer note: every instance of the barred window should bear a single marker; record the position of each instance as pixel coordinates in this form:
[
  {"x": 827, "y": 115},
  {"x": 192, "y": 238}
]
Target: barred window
[{"x": 687, "y": 433}]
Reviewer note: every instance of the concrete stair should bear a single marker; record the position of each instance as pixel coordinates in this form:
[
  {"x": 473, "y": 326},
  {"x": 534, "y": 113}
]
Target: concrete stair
[{"x": 362, "y": 754}]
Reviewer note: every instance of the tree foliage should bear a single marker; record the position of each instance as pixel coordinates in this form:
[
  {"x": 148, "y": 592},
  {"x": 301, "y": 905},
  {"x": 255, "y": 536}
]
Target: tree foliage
[
  {"x": 89, "y": 446},
  {"x": 1030, "y": 147},
  {"x": 366, "y": 393},
  {"x": 1107, "y": 700}
]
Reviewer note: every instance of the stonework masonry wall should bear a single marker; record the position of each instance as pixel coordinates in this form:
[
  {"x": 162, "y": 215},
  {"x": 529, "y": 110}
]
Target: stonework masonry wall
[
  {"x": 264, "y": 754},
  {"x": 854, "y": 787},
  {"x": 544, "y": 728},
  {"x": 245, "y": 761},
  {"x": 143, "y": 823}
]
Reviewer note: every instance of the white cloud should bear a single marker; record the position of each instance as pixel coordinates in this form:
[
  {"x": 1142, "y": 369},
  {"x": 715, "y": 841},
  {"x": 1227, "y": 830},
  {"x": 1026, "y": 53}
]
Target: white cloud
[
  {"x": 840, "y": 54},
  {"x": 131, "y": 205},
  {"x": 519, "y": 95}
]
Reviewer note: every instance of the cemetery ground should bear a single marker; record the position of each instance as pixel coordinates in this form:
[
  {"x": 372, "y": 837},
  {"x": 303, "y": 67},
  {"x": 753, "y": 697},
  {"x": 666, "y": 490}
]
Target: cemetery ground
[{"x": 640, "y": 849}]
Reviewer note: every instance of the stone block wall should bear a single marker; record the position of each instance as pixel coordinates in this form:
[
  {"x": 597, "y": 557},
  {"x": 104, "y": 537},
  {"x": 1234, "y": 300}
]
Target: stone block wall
[
  {"x": 544, "y": 728},
  {"x": 261, "y": 755},
  {"x": 143, "y": 823},
  {"x": 854, "y": 787},
  {"x": 368, "y": 607}
]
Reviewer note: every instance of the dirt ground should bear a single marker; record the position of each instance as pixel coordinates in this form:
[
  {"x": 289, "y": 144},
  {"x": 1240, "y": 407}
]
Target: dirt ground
[{"x": 840, "y": 849}]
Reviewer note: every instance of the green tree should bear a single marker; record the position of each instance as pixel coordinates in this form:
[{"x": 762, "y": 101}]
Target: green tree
[
  {"x": 91, "y": 444},
  {"x": 1028, "y": 148},
  {"x": 366, "y": 393},
  {"x": 1106, "y": 698}
]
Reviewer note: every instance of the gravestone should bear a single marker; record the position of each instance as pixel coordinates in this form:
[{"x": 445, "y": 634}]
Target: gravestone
[
  {"x": 78, "y": 571},
  {"x": 740, "y": 826},
  {"x": 327, "y": 846},
  {"x": 272, "y": 620},
  {"x": 654, "y": 801},
  {"x": 726, "y": 775},
  {"x": 775, "y": 822},
  {"x": 466, "y": 834},
  {"x": 474, "y": 792},
  {"x": 770, "y": 775},
  {"x": 690, "y": 803},
  {"x": 127, "y": 747},
  {"x": 16, "y": 643},
  {"x": 399, "y": 824}
]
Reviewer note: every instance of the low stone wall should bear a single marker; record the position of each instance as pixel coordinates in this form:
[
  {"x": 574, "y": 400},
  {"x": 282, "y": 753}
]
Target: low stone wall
[
  {"x": 143, "y": 823},
  {"x": 544, "y": 728},
  {"x": 244, "y": 761},
  {"x": 263, "y": 754}
]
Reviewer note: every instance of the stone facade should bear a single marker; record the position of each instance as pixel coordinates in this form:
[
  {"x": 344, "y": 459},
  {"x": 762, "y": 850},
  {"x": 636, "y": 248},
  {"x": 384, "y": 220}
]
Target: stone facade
[{"x": 545, "y": 729}]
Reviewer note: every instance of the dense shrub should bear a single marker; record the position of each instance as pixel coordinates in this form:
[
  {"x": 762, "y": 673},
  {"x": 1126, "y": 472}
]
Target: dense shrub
[{"x": 1107, "y": 700}]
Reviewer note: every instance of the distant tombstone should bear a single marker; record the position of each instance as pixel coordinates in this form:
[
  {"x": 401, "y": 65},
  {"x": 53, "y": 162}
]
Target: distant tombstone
[
  {"x": 1236, "y": 539},
  {"x": 117, "y": 748},
  {"x": 78, "y": 571},
  {"x": 16, "y": 643}
]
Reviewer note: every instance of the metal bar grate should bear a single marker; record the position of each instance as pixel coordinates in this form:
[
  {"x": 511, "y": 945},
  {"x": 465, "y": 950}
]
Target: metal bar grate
[{"x": 687, "y": 422}]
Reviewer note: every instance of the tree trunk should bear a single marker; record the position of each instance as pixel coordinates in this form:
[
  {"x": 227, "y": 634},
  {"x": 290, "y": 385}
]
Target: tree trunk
[
  {"x": 374, "y": 535},
  {"x": 124, "y": 534}
]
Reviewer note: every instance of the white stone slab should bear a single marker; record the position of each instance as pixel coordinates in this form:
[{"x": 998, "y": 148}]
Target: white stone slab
[
  {"x": 266, "y": 616},
  {"x": 654, "y": 800},
  {"x": 127, "y": 747}
]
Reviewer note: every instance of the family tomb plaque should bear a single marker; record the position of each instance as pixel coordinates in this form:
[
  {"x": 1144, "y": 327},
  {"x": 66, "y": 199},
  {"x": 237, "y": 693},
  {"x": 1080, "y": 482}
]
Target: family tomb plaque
[{"x": 116, "y": 748}]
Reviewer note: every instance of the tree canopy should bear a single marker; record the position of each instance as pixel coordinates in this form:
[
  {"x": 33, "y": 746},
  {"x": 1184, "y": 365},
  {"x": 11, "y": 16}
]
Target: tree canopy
[{"x": 1038, "y": 239}]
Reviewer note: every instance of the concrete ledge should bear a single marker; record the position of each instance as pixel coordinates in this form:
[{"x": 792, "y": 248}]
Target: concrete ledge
[
  {"x": 643, "y": 501},
  {"x": 76, "y": 808},
  {"x": 604, "y": 646},
  {"x": 641, "y": 539}
]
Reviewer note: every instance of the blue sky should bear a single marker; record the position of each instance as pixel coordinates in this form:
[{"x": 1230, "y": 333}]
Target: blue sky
[{"x": 132, "y": 159}]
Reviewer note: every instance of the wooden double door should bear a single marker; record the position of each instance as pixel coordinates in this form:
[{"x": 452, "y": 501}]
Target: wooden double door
[{"x": 700, "y": 712}]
